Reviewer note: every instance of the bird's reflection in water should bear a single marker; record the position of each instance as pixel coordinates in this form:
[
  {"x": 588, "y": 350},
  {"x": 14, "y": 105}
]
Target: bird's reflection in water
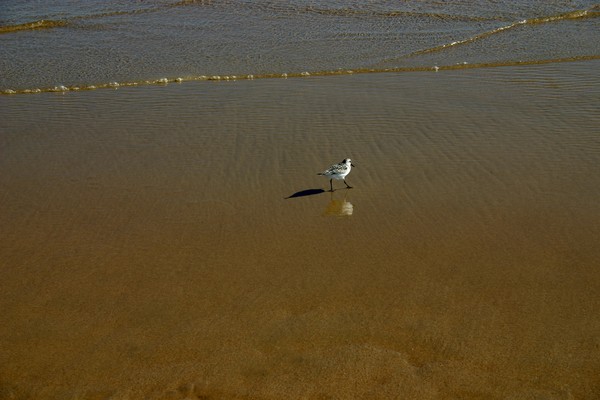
[{"x": 339, "y": 207}]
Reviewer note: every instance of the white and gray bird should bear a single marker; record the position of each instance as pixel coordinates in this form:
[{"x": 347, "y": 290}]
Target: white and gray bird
[{"x": 338, "y": 171}]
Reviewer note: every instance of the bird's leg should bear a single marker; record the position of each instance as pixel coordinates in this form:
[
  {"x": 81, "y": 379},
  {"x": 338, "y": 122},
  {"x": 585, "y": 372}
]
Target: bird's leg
[
  {"x": 331, "y": 185},
  {"x": 348, "y": 186}
]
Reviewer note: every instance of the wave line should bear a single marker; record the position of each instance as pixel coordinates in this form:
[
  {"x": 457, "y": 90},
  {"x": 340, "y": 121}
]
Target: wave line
[
  {"x": 532, "y": 21},
  {"x": 226, "y": 78},
  {"x": 40, "y": 24},
  {"x": 49, "y": 24}
]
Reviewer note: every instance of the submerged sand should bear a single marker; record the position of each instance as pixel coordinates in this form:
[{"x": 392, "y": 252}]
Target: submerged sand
[{"x": 148, "y": 250}]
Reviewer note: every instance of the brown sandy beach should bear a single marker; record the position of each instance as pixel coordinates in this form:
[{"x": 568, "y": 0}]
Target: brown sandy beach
[{"x": 148, "y": 251}]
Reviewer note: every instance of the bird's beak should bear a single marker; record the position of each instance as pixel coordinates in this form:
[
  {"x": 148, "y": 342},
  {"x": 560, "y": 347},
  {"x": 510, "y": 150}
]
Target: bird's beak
[{"x": 352, "y": 164}]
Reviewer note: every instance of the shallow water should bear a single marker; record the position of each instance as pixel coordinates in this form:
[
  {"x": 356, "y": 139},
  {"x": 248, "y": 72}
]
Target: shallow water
[
  {"x": 148, "y": 249},
  {"x": 59, "y": 46}
]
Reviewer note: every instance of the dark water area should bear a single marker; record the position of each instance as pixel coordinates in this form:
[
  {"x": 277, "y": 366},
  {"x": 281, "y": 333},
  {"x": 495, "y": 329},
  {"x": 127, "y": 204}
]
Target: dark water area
[{"x": 59, "y": 46}]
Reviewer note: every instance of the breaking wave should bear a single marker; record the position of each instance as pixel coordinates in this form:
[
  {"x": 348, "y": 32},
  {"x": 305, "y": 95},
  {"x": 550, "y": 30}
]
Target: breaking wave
[
  {"x": 305, "y": 74},
  {"x": 48, "y": 24},
  {"x": 532, "y": 21},
  {"x": 41, "y": 24}
]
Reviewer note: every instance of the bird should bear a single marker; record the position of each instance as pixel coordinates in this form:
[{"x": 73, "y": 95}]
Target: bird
[{"x": 339, "y": 172}]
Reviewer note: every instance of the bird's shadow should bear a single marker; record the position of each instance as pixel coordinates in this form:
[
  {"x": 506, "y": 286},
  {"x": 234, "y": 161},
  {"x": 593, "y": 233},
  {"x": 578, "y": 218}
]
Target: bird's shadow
[
  {"x": 312, "y": 192},
  {"x": 307, "y": 192}
]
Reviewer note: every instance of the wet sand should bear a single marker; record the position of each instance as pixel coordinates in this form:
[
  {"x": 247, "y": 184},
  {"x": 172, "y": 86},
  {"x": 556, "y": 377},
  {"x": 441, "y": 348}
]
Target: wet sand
[{"x": 148, "y": 250}]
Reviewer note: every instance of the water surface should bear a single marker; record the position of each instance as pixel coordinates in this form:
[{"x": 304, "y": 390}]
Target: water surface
[
  {"x": 151, "y": 246},
  {"x": 72, "y": 46}
]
